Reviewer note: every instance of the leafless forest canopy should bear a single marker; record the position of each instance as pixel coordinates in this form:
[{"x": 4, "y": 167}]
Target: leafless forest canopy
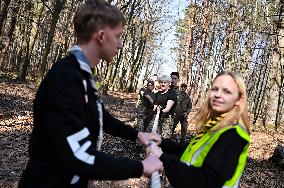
[{"x": 239, "y": 35}]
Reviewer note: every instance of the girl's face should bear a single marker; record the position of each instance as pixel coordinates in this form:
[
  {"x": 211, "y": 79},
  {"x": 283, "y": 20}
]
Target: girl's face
[{"x": 224, "y": 94}]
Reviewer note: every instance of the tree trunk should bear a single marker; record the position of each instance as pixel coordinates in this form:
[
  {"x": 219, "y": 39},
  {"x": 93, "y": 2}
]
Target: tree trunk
[
  {"x": 10, "y": 35},
  {"x": 58, "y": 7},
  {"x": 206, "y": 21},
  {"x": 279, "y": 111},
  {"x": 280, "y": 73},
  {"x": 31, "y": 37},
  {"x": 3, "y": 15},
  {"x": 137, "y": 61}
]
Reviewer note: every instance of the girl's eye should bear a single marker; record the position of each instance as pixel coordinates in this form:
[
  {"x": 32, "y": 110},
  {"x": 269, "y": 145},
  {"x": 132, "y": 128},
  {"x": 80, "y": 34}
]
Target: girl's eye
[
  {"x": 227, "y": 91},
  {"x": 214, "y": 89}
]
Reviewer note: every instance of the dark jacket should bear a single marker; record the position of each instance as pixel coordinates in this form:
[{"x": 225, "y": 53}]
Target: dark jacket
[
  {"x": 146, "y": 103},
  {"x": 217, "y": 168},
  {"x": 183, "y": 103},
  {"x": 66, "y": 127}
]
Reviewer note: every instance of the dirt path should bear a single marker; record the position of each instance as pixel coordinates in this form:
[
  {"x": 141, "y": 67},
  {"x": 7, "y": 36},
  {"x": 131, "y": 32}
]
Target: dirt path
[{"x": 16, "y": 124}]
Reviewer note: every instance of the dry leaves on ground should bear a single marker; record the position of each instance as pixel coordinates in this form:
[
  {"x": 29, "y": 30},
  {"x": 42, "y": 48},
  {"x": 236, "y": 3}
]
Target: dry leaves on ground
[{"x": 16, "y": 124}]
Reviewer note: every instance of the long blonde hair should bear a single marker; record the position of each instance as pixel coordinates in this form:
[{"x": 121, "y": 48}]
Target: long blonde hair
[{"x": 236, "y": 114}]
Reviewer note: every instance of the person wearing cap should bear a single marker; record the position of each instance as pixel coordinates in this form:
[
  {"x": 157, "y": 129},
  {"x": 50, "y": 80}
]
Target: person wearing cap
[
  {"x": 165, "y": 101},
  {"x": 183, "y": 108}
]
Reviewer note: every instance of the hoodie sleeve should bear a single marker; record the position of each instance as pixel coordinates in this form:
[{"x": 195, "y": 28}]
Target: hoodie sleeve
[{"x": 72, "y": 141}]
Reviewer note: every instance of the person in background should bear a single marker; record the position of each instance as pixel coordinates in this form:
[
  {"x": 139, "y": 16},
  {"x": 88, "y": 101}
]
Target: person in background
[
  {"x": 165, "y": 101},
  {"x": 156, "y": 83},
  {"x": 148, "y": 103},
  {"x": 175, "y": 80},
  {"x": 183, "y": 108},
  {"x": 142, "y": 90},
  {"x": 69, "y": 117},
  {"x": 216, "y": 156},
  {"x": 140, "y": 108}
]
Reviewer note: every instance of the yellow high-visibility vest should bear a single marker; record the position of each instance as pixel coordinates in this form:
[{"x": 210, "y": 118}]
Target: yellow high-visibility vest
[{"x": 195, "y": 154}]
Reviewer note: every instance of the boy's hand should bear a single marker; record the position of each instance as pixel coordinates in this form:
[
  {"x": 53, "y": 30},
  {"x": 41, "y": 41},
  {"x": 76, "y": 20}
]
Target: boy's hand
[{"x": 145, "y": 138}]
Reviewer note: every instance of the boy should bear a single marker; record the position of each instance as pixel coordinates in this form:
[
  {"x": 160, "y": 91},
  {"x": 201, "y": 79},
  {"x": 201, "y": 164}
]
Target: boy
[{"x": 69, "y": 118}]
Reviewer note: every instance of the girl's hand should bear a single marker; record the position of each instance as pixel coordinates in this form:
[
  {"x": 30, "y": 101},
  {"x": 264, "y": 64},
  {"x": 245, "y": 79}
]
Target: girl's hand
[{"x": 153, "y": 149}]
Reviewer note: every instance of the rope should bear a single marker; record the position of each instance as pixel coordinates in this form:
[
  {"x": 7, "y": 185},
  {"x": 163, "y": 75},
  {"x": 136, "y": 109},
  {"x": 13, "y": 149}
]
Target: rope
[
  {"x": 155, "y": 177},
  {"x": 101, "y": 134}
]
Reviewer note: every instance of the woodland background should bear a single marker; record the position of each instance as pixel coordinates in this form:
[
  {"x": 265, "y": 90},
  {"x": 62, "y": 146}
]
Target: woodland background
[{"x": 246, "y": 36}]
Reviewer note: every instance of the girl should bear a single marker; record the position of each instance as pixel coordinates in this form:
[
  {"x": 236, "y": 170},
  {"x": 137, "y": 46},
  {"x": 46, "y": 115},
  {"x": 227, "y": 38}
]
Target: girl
[{"x": 217, "y": 155}]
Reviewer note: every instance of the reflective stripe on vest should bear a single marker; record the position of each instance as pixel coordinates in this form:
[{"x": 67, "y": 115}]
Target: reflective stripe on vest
[{"x": 195, "y": 155}]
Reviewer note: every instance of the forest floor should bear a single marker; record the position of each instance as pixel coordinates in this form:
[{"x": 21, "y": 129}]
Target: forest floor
[{"x": 16, "y": 125}]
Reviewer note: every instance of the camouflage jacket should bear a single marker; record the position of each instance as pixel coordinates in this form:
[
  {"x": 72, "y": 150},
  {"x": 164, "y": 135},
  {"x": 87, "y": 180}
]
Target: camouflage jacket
[{"x": 183, "y": 103}]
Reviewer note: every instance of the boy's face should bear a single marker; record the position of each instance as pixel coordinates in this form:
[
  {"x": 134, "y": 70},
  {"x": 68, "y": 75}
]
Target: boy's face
[
  {"x": 111, "y": 42},
  {"x": 174, "y": 79},
  {"x": 183, "y": 88}
]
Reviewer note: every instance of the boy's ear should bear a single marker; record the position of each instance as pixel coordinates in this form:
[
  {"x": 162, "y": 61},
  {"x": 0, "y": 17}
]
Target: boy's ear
[{"x": 99, "y": 36}]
